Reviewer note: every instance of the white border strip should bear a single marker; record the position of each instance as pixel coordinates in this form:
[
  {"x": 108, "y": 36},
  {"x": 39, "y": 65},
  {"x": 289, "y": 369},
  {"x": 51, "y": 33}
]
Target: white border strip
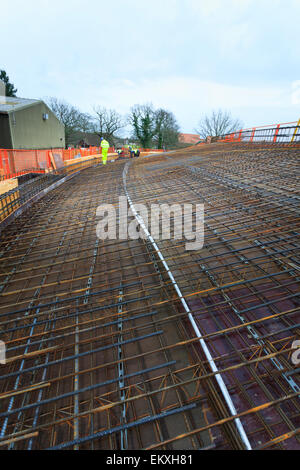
[{"x": 203, "y": 344}]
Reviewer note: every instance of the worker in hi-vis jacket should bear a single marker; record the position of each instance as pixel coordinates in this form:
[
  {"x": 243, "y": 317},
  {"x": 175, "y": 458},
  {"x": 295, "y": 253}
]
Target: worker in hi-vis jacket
[{"x": 105, "y": 146}]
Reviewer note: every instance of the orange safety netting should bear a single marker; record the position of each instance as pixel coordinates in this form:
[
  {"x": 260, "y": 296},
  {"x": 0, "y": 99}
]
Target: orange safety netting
[
  {"x": 16, "y": 162},
  {"x": 19, "y": 161}
]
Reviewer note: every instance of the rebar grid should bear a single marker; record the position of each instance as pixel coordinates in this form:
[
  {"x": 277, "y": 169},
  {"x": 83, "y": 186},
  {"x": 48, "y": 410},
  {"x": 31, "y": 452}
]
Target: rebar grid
[{"x": 100, "y": 352}]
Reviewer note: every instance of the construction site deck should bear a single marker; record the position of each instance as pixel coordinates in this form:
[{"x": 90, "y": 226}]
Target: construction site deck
[{"x": 102, "y": 354}]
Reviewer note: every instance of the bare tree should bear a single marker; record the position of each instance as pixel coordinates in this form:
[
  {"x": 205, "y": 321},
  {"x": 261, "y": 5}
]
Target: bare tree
[
  {"x": 86, "y": 123},
  {"x": 217, "y": 124},
  {"x": 72, "y": 118},
  {"x": 107, "y": 123}
]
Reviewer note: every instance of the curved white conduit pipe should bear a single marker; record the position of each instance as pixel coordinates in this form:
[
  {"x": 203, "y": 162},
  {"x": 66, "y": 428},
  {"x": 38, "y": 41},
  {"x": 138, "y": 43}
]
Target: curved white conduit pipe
[{"x": 206, "y": 351}]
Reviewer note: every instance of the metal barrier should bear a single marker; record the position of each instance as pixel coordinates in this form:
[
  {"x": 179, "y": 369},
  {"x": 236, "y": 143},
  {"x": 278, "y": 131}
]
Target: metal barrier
[{"x": 285, "y": 133}]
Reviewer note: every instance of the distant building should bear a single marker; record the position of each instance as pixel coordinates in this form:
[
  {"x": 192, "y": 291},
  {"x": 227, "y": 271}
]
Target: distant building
[
  {"x": 28, "y": 124},
  {"x": 189, "y": 138},
  {"x": 84, "y": 139}
]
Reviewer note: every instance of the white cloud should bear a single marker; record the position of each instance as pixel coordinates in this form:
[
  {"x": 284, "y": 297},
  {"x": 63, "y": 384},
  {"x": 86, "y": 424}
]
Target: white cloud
[
  {"x": 186, "y": 55},
  {"x": 228, "y": 9},
  {"x": 189, "y": 98},
  {"x": 238, "y": 39},
  {"x": 184, "y": 89}
]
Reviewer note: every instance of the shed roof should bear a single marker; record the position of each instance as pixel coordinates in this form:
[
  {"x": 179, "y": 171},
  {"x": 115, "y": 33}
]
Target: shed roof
[{"x": 10, "y": 104}]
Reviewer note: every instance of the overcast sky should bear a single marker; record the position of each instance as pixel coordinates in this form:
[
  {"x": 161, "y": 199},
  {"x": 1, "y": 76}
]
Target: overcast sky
[{"x": 189, "y": 56}]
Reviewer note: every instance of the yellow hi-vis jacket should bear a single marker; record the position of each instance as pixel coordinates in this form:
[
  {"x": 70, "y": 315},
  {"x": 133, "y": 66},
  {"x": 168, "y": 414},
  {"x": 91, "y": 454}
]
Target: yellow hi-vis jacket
[{"x": 104, "y": 144}]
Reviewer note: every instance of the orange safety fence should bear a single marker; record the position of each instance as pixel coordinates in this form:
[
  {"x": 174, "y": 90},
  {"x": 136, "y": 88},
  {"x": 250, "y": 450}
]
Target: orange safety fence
[
  {"x": 19, "y": 161},
  {"x": 71, "y": 153},
  {"x": 15, "y": 162}
]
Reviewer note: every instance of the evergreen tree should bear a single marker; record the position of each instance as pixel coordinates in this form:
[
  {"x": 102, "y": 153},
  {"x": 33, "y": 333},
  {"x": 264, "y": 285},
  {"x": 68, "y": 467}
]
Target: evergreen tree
[{"x": 10, "y": 89}]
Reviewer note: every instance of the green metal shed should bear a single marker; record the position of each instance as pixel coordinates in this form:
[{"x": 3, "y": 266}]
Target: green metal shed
[{"x": 29, "y": 124}]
